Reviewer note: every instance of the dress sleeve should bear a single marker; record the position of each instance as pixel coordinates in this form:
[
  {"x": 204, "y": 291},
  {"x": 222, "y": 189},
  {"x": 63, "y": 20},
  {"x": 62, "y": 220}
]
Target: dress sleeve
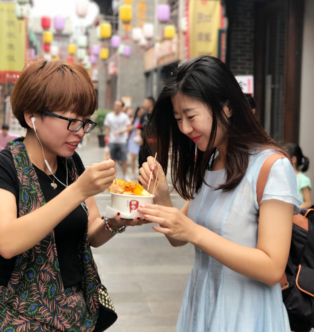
[
  {"x": 282, "y": 184},
  {"x": 305, "y": 182}
]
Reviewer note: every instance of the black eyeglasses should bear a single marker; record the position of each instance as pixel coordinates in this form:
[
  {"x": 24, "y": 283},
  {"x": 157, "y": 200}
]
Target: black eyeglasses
[{"x": 74, "y": 124}]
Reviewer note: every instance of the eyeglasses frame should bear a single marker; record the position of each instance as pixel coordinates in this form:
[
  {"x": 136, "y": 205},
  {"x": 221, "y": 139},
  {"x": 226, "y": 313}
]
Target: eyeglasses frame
[{"x": 84, "y": 123}]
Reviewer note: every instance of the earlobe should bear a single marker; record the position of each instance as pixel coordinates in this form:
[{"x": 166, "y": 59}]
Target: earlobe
[{"x": 227, "y": 110}]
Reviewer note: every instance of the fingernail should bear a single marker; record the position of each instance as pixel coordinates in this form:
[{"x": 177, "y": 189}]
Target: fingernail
[
  {"x": 138, "y": 218},
  {"x": 118, "y": 213},
  {"x": 142, "y": 206},
  {"x": 140, "y": 210}
]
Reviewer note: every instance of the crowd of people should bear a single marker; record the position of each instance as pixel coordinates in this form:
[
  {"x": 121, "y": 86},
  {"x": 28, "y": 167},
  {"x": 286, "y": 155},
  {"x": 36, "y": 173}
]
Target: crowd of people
[{"x": 50, "y": 219}]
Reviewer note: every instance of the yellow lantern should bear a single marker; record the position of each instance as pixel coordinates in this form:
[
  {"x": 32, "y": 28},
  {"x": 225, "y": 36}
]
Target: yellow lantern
[
  {"x": 72, "y": 49},
  {"x": 105, "y": 31},
  {"x": 55, "y": 58},
  {"x": 47, "y": 37},
  {"x": 170, "y": 31},
  {"x": 104, "y": 53},
  {"x": 126, "y": 13}
]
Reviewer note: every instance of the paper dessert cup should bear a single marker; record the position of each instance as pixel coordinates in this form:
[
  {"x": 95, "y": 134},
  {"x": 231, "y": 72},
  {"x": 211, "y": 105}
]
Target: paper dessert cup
[{"x": 126, "y": 204}]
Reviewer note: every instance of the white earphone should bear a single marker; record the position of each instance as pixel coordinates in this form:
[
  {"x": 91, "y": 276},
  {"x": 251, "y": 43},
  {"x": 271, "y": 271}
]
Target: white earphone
[{"x": 33, "y": 122}]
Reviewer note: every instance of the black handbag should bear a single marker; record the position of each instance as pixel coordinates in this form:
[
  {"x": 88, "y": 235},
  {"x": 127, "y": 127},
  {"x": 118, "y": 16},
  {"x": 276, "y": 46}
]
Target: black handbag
[{"x": 107, "y": 314}]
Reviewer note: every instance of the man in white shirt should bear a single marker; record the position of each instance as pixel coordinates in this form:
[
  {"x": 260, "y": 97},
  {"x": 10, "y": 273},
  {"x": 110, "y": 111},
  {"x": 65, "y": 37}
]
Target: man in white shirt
[{"x": 117, "y": 121}]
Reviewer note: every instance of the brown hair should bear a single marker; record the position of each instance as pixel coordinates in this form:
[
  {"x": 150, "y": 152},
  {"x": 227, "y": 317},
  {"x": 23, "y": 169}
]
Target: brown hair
[
  {"x": 56, "y": 86},
  {"x": 210, "y": 81}
]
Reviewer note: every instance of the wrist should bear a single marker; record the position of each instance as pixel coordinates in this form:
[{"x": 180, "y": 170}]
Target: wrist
[
  {"x": 78, "y": 193},
  {"x": 163, "y": 200},
  {"x": 196, "y": 234}
]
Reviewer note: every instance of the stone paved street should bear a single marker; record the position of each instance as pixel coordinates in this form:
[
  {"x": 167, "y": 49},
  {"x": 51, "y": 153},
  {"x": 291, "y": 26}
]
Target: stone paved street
[{"x": 145, "y": 276}]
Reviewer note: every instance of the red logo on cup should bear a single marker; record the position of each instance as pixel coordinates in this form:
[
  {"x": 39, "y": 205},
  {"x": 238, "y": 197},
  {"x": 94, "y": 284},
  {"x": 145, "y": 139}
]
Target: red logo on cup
[{"x": 133, "y": 205}]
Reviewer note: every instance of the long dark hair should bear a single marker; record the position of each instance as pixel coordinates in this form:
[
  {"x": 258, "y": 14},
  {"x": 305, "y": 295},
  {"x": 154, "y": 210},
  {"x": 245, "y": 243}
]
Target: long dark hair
[
  {"x": 295, "y": 151},
  {"x": 210, "y": 81},
  {"x": 136, "y": 112}
]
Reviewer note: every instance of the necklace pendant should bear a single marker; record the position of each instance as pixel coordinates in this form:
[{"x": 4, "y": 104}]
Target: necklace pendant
[{"x": 54, "y": 185}]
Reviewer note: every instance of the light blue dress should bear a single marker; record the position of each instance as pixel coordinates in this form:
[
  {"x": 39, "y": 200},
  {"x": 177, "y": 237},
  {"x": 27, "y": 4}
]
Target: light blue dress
[{"x": 218, "y": 299}]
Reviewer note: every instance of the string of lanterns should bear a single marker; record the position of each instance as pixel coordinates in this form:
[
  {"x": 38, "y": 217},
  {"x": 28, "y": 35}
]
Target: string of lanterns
[{"x": 80, "y": 51}]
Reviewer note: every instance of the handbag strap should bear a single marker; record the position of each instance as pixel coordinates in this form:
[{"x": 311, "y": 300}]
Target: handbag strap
[{"x": 264, "y": 173}]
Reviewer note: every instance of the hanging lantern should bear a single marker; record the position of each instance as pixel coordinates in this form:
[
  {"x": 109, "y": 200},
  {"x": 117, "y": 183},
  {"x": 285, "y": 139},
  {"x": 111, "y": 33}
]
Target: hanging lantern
[
  {"x": 47, "y": 57},
  {"x": 120, "y": 49},
  {"x": 163, "y": 13},
  {"x": 20, "y": 11},
  {"x": 54, "y": 51},
  {"x": 82, "y": 41},
  {"x": 72, "y": 49},
  {"x": 136, "y": 34},
  {"x": 170, "y": 31},
  {"x": 143, "y": 42},
  {"x": 95, "y": 50},
  {"x": 46, "y": 22},
  {"x": 93, "y": 59},
  {"x": 81, "y": 54},
  {"x": 47, "y": 37},
  {"x": 47, "y": 48},
  {"x": 70, "y": 59},
  {"x": 184, "y": 25},
  {"x": 105, "y": 30},
  {"x": 148, "y": 30},
  {"x": 104, "y": 53},
  {"x": 127, "y": 51},
  {"x": 55, "y": 58},
  {"x": 115, "y": 41},
  {"x": 126, "y": 13},
  {"x": 59, "y": 23},
  {"x": 82, "y": 8}
]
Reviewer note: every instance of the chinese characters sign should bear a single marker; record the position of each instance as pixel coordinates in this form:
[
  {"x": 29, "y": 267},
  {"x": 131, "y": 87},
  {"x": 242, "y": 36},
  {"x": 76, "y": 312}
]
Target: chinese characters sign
[
  {"x": 12, "y": 39},
  {"x": 204, "y": 22}
]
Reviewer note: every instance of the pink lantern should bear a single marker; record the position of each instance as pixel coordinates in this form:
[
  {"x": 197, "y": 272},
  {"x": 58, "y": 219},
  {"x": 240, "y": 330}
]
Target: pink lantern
[
  {"x": 59, "y": 23},
  {"x": 127, "y": 51},
  {"x": 93, "y": 59},
  {"x": 115, "y": 41},
  {"x": 46, "y": 22},
  {"x": 95, "y": 50},
  {"x": 163, "y": 13},
  {"x": 82, "y": 8},
  {"x": 70, "y": 59}
]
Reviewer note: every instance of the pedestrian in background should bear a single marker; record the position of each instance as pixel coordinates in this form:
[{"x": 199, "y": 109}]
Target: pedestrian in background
[
  {"x": 251, "y": 102},
  {"x": 115, "y": 123},
  {"x": 6, "y": 136},
  {"x": 239, "y": 260},
  {"x": 145, "y": 152},
  {"x": 300, "y": 165}
]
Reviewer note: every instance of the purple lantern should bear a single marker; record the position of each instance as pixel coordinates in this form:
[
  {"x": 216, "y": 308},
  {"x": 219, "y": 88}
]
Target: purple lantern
[
  {"x": 93, "y": 59},
  {"x": 127, "y": 51},
  {"x": 33, "y": 54},
  {"x": 96, "y": 49},
  {"x": 163, "y": 13},
  {"x": 59, "y": 23},
  {"x": 115, "y": 41}
]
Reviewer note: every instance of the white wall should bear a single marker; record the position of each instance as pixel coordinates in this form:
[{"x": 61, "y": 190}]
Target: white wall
[{"x": 307, "y": 89}]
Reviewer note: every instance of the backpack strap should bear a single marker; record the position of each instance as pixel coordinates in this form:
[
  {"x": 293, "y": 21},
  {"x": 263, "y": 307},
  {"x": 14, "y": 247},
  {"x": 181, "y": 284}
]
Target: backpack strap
[
  {"x": 260, "y": 186},
  {"x": 264, "y": 173}
]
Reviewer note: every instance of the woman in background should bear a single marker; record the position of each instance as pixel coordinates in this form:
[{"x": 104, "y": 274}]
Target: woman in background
[{"x": 300, "y": 165}]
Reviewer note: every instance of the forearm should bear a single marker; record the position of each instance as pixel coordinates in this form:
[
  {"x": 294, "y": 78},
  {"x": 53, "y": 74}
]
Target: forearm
[
  {"x": 251, "y": 262},
  {"x": 21, "y": 234},
  {"x": 97, "y": 233}
]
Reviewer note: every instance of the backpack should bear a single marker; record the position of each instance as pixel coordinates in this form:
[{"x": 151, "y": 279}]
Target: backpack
[{"x": 297, "y": 283}]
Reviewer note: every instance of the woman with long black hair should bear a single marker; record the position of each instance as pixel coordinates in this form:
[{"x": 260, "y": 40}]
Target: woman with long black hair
[{"x": 218, "y": 150}]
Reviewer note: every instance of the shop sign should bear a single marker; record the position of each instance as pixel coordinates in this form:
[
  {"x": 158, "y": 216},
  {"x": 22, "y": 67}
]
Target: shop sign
[
  {"x": 12, "y": 40},
  {"x": 247, "y": 83},
  {"x": 204, "y": 23}
]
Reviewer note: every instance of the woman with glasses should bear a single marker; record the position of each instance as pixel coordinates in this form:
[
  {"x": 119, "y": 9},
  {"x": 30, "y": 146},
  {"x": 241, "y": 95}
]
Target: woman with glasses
[{"x": 49, "y": 218}]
